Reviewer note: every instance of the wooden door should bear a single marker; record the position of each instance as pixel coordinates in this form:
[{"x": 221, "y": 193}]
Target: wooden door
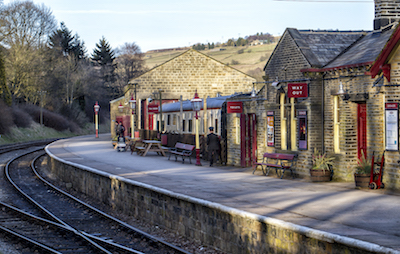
[
  {"x": 151, "y": 122},
  {"x": 243, "y": 132},
  {"x": 248, "y": 142},
  {"x": 361, "y": 129}
]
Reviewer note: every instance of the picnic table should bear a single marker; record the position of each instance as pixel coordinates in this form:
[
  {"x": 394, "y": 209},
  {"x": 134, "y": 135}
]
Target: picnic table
[{"x": 150, "y": 146}]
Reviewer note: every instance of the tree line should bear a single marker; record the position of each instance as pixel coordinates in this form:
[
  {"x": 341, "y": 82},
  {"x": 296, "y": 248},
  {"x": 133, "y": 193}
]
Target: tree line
[
  {"x": 45, "y": 62},
  {"x": 265, "y": 38}
]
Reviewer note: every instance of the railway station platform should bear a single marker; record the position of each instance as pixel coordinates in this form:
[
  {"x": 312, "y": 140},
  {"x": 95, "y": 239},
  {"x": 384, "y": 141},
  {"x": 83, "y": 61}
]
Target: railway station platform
[{"x": 366, "y": 220}]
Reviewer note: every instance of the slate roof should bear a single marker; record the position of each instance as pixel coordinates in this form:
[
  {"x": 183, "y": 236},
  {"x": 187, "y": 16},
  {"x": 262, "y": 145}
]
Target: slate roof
[
  {"x": 321, "y": 46},
  {"x": 364, "y": 51},
  {"x": 215, "y": 102}
]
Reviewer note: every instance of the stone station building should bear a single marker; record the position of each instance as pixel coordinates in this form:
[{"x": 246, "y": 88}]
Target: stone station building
[
  {"x": 178, "y": 79},
  {"x": 336, "y": 91}
]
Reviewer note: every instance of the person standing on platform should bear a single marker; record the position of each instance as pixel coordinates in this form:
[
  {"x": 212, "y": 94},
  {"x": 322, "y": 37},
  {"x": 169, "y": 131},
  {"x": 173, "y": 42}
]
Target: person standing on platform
[{"x": 213, "y": 145}]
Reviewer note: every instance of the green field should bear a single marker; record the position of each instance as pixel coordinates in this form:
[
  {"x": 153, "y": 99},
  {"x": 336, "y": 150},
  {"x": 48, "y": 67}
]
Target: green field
[{"x": 248, "y": 59}]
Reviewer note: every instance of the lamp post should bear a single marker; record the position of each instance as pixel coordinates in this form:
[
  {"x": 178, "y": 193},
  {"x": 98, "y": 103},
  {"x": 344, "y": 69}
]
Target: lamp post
[
  {"x": 196, "y": 105},
  {"x": 96, "y": 118},
  {"x": 132, "y": 102}
]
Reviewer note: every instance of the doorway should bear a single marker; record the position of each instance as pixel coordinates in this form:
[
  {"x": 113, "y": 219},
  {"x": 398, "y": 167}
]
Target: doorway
[
  {"x": 248, "y": 139},
  {"x": 361, "y": 130}
]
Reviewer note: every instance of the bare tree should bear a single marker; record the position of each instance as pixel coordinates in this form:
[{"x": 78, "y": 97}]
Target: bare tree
[
  {"x": 130, "y": 64},
  {"x": 24, "y": 30}
]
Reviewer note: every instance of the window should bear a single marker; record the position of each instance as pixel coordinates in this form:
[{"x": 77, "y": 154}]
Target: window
[
  {"x": 216, "y": 126},
  {"x": 183, "y": 125},
  {"x": 190, "y": 128},
  {"x": 237, "y": 124},
  {"x": 168, "y": 119},
  {"x": 174, "y": 119}
]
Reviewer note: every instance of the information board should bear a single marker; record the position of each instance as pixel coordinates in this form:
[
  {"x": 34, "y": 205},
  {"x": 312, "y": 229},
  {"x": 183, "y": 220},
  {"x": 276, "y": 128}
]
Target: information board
[
  {"x": 302, "y": 128},
  {"x": 392, "y": 126},
  {"x": 270, "y": 128}
]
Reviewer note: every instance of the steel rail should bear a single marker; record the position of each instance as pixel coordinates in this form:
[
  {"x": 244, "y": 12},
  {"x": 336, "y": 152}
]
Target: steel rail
[
  {"x": 30, "y": 199},
  {"x": 105, "y": 215}
]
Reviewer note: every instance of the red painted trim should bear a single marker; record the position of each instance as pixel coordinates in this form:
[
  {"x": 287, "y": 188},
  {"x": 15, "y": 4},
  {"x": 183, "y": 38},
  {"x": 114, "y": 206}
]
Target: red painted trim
[
  {"x": 386, "y": 71},
  {"x": 384, "y": 55}
]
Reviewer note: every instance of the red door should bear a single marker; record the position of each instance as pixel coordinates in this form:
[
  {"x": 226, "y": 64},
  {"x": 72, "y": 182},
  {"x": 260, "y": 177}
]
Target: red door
[
  {"x": 151, "y": 122},
  {"x": 248, "y": 142},
  {"x": 243, "y": 132},
  {"x": 361, "y": 130}
]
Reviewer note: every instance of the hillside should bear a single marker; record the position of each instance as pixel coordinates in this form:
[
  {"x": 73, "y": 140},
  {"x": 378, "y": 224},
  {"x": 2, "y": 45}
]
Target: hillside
[{"x": 248, "y": 59}]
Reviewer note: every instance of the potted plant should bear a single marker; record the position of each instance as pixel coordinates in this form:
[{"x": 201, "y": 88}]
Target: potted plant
[
  {"x": 362, "y": 174},
  {"x": 321, "y": 170}
]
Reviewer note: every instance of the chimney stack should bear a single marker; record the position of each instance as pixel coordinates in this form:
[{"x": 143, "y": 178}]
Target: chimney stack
[{"x": 386, "y": 12}]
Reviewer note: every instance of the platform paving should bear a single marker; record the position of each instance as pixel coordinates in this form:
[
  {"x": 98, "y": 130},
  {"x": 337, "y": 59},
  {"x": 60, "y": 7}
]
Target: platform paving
[{"x": 368, "y": 215}]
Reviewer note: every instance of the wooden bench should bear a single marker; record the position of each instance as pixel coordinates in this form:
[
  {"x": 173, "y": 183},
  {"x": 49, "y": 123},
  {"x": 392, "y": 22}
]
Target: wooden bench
[
  {"x": 140, "y": 150},
  {"x": 277, "y": 161},
  {"x": 183, "y": 150}
]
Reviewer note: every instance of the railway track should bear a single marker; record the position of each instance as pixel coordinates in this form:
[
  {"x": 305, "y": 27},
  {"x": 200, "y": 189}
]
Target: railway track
[{"x": 53, "y": 221}]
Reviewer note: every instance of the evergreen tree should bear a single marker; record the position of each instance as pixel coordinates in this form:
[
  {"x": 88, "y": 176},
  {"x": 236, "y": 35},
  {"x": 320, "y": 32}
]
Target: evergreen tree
[
  {"x": 63, "y": 41},
  {"x": 104, "y": 56}
]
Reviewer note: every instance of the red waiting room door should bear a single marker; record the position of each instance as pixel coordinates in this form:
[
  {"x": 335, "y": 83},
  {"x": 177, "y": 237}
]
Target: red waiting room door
[{"x": 361, "y": 129}]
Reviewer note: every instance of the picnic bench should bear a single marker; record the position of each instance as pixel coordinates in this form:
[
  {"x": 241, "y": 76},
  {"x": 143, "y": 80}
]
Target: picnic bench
[
  {"x": 278, "y": 161},
  {"x": 150, "y": 146},
  {"x": 183, "y": 150}
]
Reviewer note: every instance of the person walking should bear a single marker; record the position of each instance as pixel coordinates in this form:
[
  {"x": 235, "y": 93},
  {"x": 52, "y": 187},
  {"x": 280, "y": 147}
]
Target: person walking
[{"x": 213, "y": 145}]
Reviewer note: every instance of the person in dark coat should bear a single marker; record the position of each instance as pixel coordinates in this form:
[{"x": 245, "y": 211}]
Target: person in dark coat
[{"x": 213, "y": 145}]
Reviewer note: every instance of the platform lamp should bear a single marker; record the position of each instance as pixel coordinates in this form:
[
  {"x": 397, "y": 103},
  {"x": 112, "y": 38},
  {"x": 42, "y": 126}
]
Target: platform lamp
[
  {"x": 96, "y": 118},
  {"x": 121, "y": 107},
  {"x": 196, "y": 106},
  {"x": 132, "y": 102}
]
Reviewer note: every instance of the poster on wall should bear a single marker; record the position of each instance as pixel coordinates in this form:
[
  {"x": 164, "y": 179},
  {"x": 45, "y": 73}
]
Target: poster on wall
[
  {"x": 270, "y": 129},
  {"x": 302, "y": 128},
  {"x": 392, "y": 126}
]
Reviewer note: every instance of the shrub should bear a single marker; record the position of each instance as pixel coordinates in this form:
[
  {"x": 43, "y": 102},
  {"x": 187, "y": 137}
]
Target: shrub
[
  {"x": 51, "y": 119},
  {"x": 6, "y": 118},
  {"x": 240, "y": 51},
  {"x": 21, "y": 118},
  {"x": 75, "y": 114},
  {"x": 234, "y": 62}
]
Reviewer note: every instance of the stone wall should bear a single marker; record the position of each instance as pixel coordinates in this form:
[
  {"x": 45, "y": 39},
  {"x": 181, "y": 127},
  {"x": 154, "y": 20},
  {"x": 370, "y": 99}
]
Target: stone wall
[
  {"x": 224, "y": 228},
  {"x": 187, "y": 73}
]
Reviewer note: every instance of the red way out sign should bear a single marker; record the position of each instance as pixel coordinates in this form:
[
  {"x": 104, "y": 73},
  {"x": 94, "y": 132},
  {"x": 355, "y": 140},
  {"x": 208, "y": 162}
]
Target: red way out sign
[{"x": 298, "y": 90}]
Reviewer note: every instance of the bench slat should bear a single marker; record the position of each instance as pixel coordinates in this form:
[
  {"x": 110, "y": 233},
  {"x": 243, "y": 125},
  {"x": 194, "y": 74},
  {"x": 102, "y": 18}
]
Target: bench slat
[{"x": 184, "y": 146}]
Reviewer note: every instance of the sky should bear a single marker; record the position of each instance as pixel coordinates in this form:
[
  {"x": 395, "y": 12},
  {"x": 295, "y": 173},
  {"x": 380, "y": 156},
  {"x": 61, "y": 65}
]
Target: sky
[{"x": 160, "y": 24}]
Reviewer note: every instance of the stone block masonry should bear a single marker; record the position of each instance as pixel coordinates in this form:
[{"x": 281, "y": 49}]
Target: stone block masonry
[{"x": 227, "y": 229}]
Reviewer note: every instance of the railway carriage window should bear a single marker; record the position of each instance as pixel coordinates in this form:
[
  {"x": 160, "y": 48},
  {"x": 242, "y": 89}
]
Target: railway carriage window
[
  {"x": 168, "y": 119},
  {"x": 183, "y": 125},
  {"x": 190, "y": 126},
  {"x": 216, "y": 126},
  {"x": 174, "y": 120}
]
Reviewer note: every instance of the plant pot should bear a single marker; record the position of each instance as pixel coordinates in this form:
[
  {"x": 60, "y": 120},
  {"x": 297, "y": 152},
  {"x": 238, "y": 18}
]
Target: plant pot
[
  {"x": 320, "y": 175},
  {"x": 362, "y": 180}
]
